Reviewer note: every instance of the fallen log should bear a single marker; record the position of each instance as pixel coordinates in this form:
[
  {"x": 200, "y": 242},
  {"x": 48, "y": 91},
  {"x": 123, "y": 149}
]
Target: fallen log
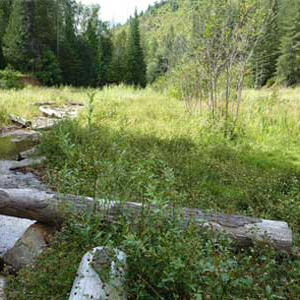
[{"x": 52, "y": 207}]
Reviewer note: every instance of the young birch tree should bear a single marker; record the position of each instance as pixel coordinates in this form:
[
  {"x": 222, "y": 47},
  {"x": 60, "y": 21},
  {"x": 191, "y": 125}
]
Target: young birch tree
[{"x": 224, "y": 36}]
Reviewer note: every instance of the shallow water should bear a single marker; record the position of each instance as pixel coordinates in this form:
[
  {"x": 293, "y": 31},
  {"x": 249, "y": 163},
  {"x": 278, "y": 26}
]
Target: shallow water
[{"x": 9, "y": 150}]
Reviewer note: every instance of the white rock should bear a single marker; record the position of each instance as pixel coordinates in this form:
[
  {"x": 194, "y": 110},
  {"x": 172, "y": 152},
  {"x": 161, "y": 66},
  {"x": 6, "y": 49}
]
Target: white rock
[{"x": 101, "y": 276}]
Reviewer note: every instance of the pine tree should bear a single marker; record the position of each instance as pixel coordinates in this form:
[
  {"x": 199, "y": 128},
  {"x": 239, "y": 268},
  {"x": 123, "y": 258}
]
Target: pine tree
[
  {"x": 267, "y": 52},
  {"x": 117, "y": 68},
  {"x": 69, "y": 58},
  {"x": 134, "y": 60},
  {"x": 5, "y": 11},
  {"x": 93, "y": 40},
  {"x": 288, "y": 66},
  {"x": 106, "y": 49},
  {"x": 18, "y": 41}
]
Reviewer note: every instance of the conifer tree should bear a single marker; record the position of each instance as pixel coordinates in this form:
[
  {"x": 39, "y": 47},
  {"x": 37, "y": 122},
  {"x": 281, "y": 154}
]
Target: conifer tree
[
  {"x": 18, "y": 41},
  {"x": 5, "y": 10},
  {"x": 134, "y": 60},
  {"x": 288, "y": 66},
  {"x": 106, "y": 49},
  {"x": 68, "y": 55},
  {"x": 267, "y": 52},
  {"x": 117, "y": 68}
]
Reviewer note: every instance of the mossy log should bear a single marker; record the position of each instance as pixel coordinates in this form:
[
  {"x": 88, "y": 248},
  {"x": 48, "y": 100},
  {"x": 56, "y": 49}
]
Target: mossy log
[{"x": 49, "y": 207}]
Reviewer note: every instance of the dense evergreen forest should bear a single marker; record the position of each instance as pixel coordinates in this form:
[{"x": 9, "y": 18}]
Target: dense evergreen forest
[{"x": 65, "y": 42}]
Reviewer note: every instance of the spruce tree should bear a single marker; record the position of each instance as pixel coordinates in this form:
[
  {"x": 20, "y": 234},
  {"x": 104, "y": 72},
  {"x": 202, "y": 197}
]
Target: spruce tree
[
  {"x": 134, "y": 60},
  {"x": 69, "y": 57},
  {"x": 18, "y": 42},
  {"x": 288, "y": 66},
  {"x": 5, "y": 10},
  {"x": 267, "y": 52},
  {"x": 117, "y": 68},
  {"x": 106, "y": 49}
]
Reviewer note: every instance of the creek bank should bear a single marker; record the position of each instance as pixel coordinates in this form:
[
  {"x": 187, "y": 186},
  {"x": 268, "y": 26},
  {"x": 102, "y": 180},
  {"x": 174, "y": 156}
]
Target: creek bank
[{"x": 22, "y": 240}]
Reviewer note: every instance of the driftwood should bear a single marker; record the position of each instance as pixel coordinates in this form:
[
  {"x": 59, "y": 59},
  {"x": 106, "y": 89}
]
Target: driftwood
[
  {"x": 20, "y": 121},
  {"x": 47, "y": 208}
]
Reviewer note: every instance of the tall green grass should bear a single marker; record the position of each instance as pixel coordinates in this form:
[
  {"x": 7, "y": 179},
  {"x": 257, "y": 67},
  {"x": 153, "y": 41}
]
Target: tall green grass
[{"x": 140, "y": 145}]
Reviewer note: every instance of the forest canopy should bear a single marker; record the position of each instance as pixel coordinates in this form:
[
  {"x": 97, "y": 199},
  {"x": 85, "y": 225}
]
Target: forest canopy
[{"x": 66, "y": 42}]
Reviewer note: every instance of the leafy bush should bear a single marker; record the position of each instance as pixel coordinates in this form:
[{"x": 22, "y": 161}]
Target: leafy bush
[
  {"x": 165, "y": 261},
  {"x": 10, "y": 79},
  {"x": 50, "y": 72},
  {"x": 136, "y": 145}
]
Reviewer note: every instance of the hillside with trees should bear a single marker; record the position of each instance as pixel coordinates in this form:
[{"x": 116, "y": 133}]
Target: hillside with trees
[
  {"x": 65, "y": 42},
  {"x": 156, "y": 159}
]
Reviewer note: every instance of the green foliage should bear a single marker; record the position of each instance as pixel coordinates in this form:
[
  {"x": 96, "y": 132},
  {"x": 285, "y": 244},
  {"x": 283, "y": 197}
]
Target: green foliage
[
  {"x": 143, "y": 146},
  {"x": 49, "y": 70},
  {"x": 118, "y": 68},
  {"x": 165, "y": 261},
  {"x": 10, "y": 79},
  {"x": 5, "y": 10},
  {"x": 267, "y": 51},
  {"x": 288, "y": 69},
  {"x": 134, "y": 57},
  {"x": 17, "y": 41}
]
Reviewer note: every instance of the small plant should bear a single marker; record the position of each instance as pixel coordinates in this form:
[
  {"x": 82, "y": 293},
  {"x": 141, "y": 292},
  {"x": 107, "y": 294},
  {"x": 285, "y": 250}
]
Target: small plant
[{"x": 90, "y": 108}]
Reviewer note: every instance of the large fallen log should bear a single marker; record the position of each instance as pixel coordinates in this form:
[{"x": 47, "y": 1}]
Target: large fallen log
[{"x": 52, "y": 207}]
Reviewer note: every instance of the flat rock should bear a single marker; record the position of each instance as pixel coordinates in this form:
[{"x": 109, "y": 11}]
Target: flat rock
[
  {"x": 11, "y": 230},
  {"x": 43, "y": 123},
  {"x": 2, "y": 285},
  {"x": 6, "y": 166},
  {"x": 33, "y": 241},
  {"x": 28, "y": 153},
  {"x": 20, "y": 180},
  {"x": 61, "y": 112},
  {"x": 19, "y": 135}
]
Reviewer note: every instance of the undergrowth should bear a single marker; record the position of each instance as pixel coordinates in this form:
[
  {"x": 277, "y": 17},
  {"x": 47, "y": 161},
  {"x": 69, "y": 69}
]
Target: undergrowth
[
  {"x": 133, "y": 145},
  {"x": 165, "y": 261}
]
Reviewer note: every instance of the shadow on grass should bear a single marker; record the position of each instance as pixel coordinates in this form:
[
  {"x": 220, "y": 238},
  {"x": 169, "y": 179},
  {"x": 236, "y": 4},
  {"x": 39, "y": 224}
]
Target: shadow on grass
[{"x": 216, "y": 175}]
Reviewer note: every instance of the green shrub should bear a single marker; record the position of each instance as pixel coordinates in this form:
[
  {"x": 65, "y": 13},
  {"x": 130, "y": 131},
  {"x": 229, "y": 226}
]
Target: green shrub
[
  {"x": 49, "y": 69},
  {"x": 10, "y": 79},
  {"x": 165, "y": 261}
]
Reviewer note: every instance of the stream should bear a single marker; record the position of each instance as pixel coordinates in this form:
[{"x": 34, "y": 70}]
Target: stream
[{"x": 11, "y": 145}]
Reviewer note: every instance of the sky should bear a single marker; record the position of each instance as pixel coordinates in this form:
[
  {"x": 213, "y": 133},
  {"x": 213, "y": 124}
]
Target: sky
[{"x": 119, "y": 10}]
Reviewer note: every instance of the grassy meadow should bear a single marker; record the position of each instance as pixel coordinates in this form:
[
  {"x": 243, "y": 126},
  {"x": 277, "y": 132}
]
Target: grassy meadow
[{"x": 145, "y": 146}]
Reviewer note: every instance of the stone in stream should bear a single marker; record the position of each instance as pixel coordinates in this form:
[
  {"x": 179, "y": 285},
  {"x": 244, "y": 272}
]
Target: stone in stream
[
  {"x": 28, "y": 153},
  {"x": 13, "y": 229}
]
